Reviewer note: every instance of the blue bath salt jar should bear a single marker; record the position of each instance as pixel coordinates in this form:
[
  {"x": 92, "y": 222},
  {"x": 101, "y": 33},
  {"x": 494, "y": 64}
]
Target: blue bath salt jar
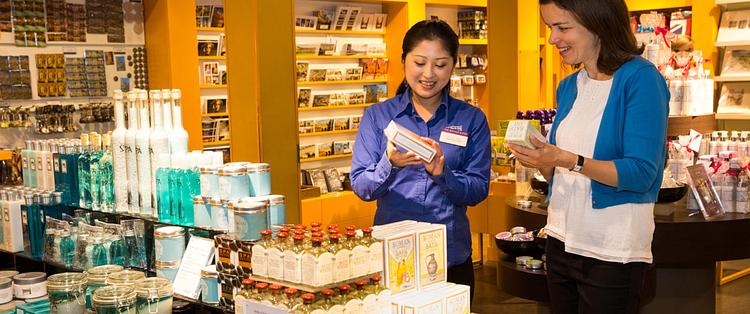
[
  {"x": 219, "y": 219},
  {"x": 202, "y": 211},
  {"x": 276, "y": 211},
  {"x": 250, "y": 219},
  {"x": 260, "y": 178},
  {"x": 169, "y": 243},
  {"x": 233, "y": 182},
  {"x": 209, "y": 180},
  {"x": 167, "y": 269},
  {"x": 210, "y": 285}
]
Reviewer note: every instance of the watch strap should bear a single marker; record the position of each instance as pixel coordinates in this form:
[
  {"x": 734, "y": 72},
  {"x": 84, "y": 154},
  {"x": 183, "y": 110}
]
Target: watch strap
[{"x": 579, "y": 164}]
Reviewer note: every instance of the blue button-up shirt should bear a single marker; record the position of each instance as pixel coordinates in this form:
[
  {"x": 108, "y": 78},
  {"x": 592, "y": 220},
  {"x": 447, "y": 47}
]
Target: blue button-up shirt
[{"x": 411, "y": 192}]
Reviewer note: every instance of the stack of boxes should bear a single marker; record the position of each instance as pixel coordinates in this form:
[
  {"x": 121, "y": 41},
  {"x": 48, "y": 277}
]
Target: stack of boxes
[{"x": 233, "y": 265}]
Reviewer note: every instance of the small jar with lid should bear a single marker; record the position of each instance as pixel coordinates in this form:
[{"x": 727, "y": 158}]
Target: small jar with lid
[
  {"x": 260, "y": 178},
  {"x": 169, "y": 243},
  {"x": 210, "y": 285},
  {"x": 154, "y": 295},
  {"x": 276, "y": 211},
  {"x": 250, "y": 219},
  {"x": 6, "y": 290},
  {"x": 219, "y": 219},
  {"x": 97, "y": 278},
  {"x": 209, "y": 180},
  {"x": 30, "y": 285},
  {"x": 114, "y": 300},
  {"x": 125, "y": 278},
  {"x": 233, "y": 182},
  {"x": 67, "y": 292},
  {"x": 202, "y": 209},
  {"x": 167, "y": 269}
]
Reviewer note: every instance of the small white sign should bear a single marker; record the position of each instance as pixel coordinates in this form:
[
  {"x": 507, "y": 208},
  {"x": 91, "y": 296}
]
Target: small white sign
[{"x": 199, "y": 253}]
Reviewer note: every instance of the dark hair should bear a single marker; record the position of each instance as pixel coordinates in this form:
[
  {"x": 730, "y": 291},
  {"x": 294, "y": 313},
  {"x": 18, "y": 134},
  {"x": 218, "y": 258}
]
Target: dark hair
[
  {"x": 609, "y": 20},
  {"x": 429, "y": 30}
]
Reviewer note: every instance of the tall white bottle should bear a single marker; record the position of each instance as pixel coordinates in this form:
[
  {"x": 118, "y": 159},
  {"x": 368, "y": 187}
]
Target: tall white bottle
[
  {"x": 143, "y": 155},
  {"x": 158, "y": 141},
  {"x": 41, "y": 165},
  {"x": 178, "y": 142},
  {"x": 133, "y": 204},
  {"x": 119, "y": 161},
  {"x": 49, "y": 170}
]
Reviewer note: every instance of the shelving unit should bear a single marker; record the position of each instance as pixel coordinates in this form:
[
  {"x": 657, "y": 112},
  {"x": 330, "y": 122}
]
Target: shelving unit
[
  {"x": 744, "y": 78},
  {"x": 334, "y": 32},
  {"x": 326, "y": 158},
  {"x": 214, "y": 86},
  {"x": 327, "y": 133},
  {"x": 311, "y": 57},
  {"x": 342, "y": 82},
  {"x": 334, "y": 107}
]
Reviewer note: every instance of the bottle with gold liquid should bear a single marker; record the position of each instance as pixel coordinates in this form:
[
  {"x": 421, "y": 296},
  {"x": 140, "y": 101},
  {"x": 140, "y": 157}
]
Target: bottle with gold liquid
[
  {"x": 291, "y": 300},
  {"x": 341, "y": 258},
  {"x": 383, "y": 294},
  {"x": 261, "y": 292},
  {"x": 245, "y": 293},
  {"x": 307, "y": 304},
  {"x": 259, "y": 257},
  {"x": 276, "y": 256},
  {"x": 330, "y": 304},
  {"x": 277, "y": 296},
  {"x": 317, "y": 264},
  {"x": 360, "y": 259},
  {"x": 293, "y": 260},
  {"x": 375, "y": 249}
]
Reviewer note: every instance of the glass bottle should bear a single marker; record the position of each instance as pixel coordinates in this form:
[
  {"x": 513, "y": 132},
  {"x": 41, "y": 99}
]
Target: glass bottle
[
  {"x": 728, "y": 185},
  {"x": 176, "y": 185},
  {"x": 293, "y": 260},
  {"x": 117, "y": 249},
  {"x": 277, "y": 297},
  {"x": 163, "y": 195},
  {"x": 158, "y": 142},
  {"x": 49, "y": 171},
  {"x": 41, "y": 165},
  {"x": 245, "y": 293},
  {"x": 307, "y": 304},
  {"x": 84, "y": 172},
  {"x": 261, "y": 292},
  {"x": 317, "y": 265},
  {"x": 130, "y": 155},
  {"x": 67, "y": 248},
  {"x": 276, "y": 256},
  {"x": 190, "y": 187},
  {"x": 743, "y": 182},
  {"x": 98, "y": 253},
  {"x": 119, "y": 158},
  {"x": 342, "y": 298},
  {"x": 330, "y": 304},
  {"x": 291, "y": 301},
  {"x": 69, "y": 165},
  {"x": 95, "y": 176},
  {"x": 142, "y": 155},
  {"x": 341, "y": 259},
  {"x": 360, "y": 259},
  {"x": 178, "y": 135},
  {"x": 27, "y": 158},
  {"x": 383, "y": 294},
  {"x": 375, "y": 249},
  {"x": 259, "y": 256},
  {"x": 57, "y": 179},
  {"x": 106, "y": 176}
]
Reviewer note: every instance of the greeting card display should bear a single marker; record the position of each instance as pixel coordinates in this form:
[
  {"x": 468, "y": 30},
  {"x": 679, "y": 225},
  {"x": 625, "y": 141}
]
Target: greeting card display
[
  {"x": 735, "y": 98},
  {"x": 736, "y": 61},
  {"x": 734, "y": 26}
]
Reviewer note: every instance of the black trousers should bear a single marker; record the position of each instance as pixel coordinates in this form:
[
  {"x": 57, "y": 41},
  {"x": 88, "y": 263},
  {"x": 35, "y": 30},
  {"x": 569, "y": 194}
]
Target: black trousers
[
  {"x": 579, "y": 284},
  {"x": 463, "y": 274}
]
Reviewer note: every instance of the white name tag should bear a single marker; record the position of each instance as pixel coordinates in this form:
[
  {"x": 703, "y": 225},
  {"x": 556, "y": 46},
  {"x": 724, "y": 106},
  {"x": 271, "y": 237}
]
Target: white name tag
[{"x": 454, "y": 137}]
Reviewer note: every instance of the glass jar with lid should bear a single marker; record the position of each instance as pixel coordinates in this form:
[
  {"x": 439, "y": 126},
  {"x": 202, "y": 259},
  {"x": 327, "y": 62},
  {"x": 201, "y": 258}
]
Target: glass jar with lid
[
  {"x": 233, "y": 182},
  {"x": 67, "y": 292},
  {"x": 169, "y": 243},
  {"x": 250, "y": 219},
  {"x": 209, "y": 180},
  {"x": 260, "y": 178},
  {"x": 114, "y": 300},
  {"x": 97, "y": 278},
  {"x": 154, "y": 295},
  {"x": 125, "y": 278},
  {"x": 210, "y": 285}
]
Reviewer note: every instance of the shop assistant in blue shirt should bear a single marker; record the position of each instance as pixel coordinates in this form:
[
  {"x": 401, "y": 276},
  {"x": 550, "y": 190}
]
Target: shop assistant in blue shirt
[{"x": 411, "y": 192}]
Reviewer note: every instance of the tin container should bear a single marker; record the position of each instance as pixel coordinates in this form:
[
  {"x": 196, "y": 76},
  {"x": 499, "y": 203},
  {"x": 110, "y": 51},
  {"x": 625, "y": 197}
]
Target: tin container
[
  {"x": 97, "y": 278},
  {"x": 234, "y": 183},
  {"x": 30, "y": 285},
  {"x": 125, "y": 278},
  {"x": 276, "y": 211},
  {"x": 219, "y": 219},
  {"x": 67, "y": 292},
  {"x": 168, "y": 270},
  {"x": 209, "y": 180},
  {"x": 169, "y": 243},
  {"x": 114, "y": 300},
  {"x": 250, "y": 219},
  {"x": 260, "y": 179},
  {"x": 202, "y": 211},
  {"x": 154, "y": 295},
  {"x": 8, "y": 274},
  {"x": 210, "y": 285},
  {"x": 6, "y": 290}
]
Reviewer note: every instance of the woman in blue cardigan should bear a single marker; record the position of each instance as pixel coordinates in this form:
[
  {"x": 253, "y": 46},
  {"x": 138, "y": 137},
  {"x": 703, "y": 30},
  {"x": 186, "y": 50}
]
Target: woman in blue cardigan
[{"x": 604, "y": 159}]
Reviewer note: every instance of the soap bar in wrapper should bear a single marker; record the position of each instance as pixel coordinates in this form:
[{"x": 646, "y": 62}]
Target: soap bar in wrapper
[
  {"x": 518, "y": 133},
  {"x": 402, "y": 137}
]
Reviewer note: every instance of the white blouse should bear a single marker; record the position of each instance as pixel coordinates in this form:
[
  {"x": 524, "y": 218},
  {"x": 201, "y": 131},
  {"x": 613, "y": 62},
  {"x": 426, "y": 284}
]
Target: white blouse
[{"x": 620, "y": 233}]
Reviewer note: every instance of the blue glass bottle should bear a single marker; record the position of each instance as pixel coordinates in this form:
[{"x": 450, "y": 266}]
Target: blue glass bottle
[
  {"x": 106, "y": 177},
  {"x": 69, "y": 169},
  {"x": 84, "y": 172},
  {"x": 95, "y": 171},
  {"x": 191, "y": 187},
  {"x": 98, "y": 253},
  {"x": 163, "y": 196},
  {"x": 33, "y": 226},
  {"x": 117, "y": 252},
  {"x": 67, "y": 248}
]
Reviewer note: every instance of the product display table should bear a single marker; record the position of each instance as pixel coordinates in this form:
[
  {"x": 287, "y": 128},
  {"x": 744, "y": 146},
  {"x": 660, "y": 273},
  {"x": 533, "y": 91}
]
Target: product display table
[{"x": 685, "y": 248}]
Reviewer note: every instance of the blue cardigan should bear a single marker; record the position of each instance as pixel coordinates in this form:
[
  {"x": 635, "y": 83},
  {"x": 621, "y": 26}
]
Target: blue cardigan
[{"x": 632, "y": 132}]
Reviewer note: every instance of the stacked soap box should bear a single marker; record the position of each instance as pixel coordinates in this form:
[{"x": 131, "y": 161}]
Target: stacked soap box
[
  {"x": 232, "y": 265},
  {"x": 416, "y": 269}
]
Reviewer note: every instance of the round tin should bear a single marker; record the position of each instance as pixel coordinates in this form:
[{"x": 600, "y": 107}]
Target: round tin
[
  {"x": 210, "y": 285},
  {"x": 534, "y": 264},
  {"x": 209, "y": 180},
  {"x": 233, "y": 182},
  {"x": 521, "y": 260},
  {"x": 202, "y": 211},
  {"x": 114, "y": 299},
  {"x": 168, "y": 270},
  {"x": 30, "y": 285},
  {"x": 219, "y": 219},
  {"x": 8, "y": 274},
  {"x": 154, "y": 295},
  {"x": 260, "y": 178},
  {"x": 250, "y": 219},
  {"x": 169, "y": 243},
  {"x": 505, "y": 235},
  {"x": 6, "y": 290},
  {"x": 517, "y": 230}
]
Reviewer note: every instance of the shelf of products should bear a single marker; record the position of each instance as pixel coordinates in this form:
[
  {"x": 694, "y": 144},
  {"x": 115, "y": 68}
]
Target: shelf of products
[
  {"x": 732, "y": 78},
  {"x": 211, "y": 29},
  {"x": 334, "y": 107},
  {"x": 213, "y": 86},
  {"x": 312, "y": 57},
  {"x": 476, "y": 42},
  {"x": 326, "y": 158},
  {"x": 327, "y": 133},
  {"x": 465, "y": 3},
  {"x": 333, "y": 32},
  {"x": 342, "y": 82},
  {"x": 217, "y": 143},
  {"x": 218, "y": 114}
]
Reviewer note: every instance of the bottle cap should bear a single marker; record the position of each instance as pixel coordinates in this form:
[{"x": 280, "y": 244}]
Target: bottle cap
[
  {"x": 290, "y": 291},
  {"x": 266, "y": 232},
  {"x": 327, "y": 292},
  {"x": 117, "y": 94},
  {"x": 351, "y": 228},
  {"x": 275, "y": 287},
  {"x": 367, "y": 230}
]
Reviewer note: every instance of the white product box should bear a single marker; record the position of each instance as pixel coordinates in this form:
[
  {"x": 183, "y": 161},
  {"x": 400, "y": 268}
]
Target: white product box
[
  {"x": 401, "y": 136},
  {"x": 432, "y": 255},
  {"x": 518, "y": 133}
]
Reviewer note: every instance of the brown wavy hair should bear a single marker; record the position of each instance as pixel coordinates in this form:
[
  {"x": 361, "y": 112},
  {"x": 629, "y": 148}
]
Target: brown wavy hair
[{"x": 609, "y": 20}]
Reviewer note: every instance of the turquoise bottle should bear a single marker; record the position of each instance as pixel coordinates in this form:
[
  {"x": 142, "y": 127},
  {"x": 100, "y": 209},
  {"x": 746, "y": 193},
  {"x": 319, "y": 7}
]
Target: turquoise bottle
[
  {"x": 117, "y": 251},
  {"x": 163, "y": 199},
  {"x": 67, "y": 248},
  {"x": 69, "y": 169},
  {"x": 94, "y": 174},
  {"x": 98, "y": 253},
  {"x": 106, "y": 176},
  {"x": 191, "y": 181},
  {"x": 84, "y": 172}
]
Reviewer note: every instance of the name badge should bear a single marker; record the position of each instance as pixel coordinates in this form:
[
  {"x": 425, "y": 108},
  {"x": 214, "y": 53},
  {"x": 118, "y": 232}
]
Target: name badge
[{"x": 455, "y": 137}]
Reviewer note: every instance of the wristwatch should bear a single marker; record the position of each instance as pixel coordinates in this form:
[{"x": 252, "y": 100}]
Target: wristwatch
[{"x": 579, "y": 164}]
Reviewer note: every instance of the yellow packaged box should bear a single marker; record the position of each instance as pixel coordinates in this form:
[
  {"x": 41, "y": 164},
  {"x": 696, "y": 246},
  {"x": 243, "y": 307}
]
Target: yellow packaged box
[
  {"x": 432, "y": 257},
  {"x": 400, "y": 268}
]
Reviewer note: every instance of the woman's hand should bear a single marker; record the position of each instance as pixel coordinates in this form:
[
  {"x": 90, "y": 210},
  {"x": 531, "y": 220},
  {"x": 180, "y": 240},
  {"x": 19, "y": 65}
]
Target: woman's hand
[
  {"x": 544, "y": 157},
  {"x": 434, "y": 168},
  {"x": 399, "y": 158}
]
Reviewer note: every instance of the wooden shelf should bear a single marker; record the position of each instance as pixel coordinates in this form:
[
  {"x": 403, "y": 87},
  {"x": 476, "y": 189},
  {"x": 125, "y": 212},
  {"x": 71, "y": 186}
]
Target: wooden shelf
[
  {"x": 211, "y": 29},
  {"x": 725, "y": 2},
  {"x": 308, "y": 83},
  {"x": 311, "y": 57},
  {"x": 6, "y": 154},
  {"x": 729, "y": 78},
  {"x": 333, "y": 32},
  {"x": 470, "y": 41},
  {"x": 327, "y": 133},
  {"x": 326, "y": 158},
  {"x": 732, "y": 116},
  {"x": 732, "y": 43},
  {"x": 214, "y": 86},
  {"x": 463, "y": 3},
  {"x": 218, "y": 114},
  {"x": 217, "y": 143},
  {"x": 681, "y": 125},
  {"x": 333, "y": 107},
  {"x": 212, "y": 57}
]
